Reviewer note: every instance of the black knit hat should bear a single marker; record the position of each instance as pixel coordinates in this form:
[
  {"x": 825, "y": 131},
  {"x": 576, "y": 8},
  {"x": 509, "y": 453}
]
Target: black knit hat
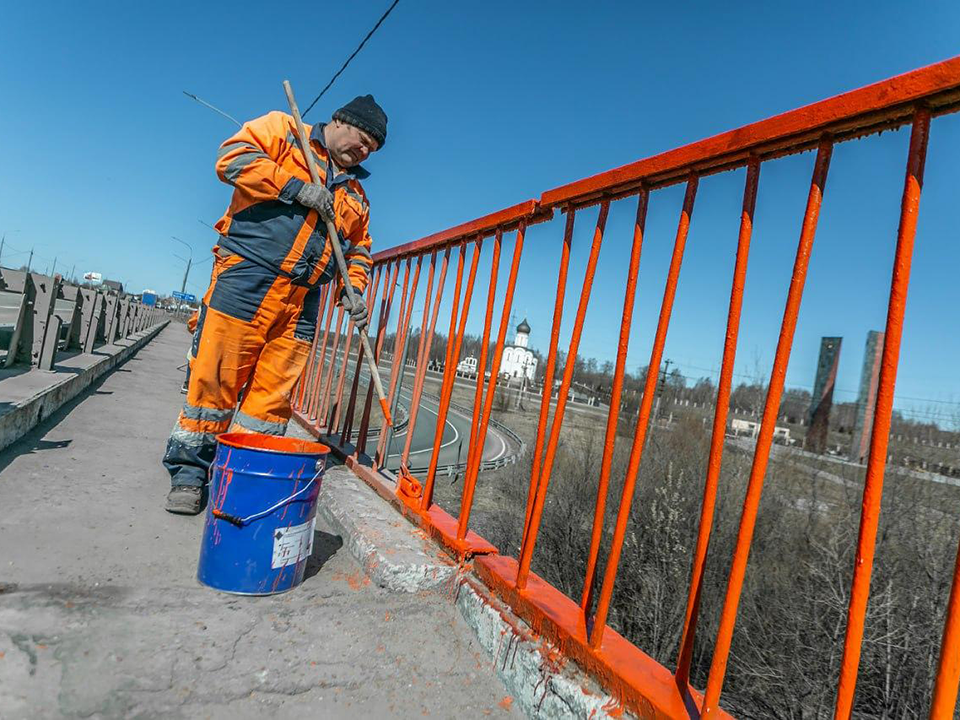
[{"x": 364, "y": 113}]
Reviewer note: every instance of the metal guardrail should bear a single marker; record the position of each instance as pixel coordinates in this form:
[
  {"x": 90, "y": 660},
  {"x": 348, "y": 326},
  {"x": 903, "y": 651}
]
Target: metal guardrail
[
  {"x": 46, "y": 317},
  {"x": 579, "y": 625}
]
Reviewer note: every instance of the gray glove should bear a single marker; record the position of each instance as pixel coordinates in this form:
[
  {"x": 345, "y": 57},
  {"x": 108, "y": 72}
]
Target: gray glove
[
  {"x": 358, "y": 310},
  {"x": 318, "y": 198}
]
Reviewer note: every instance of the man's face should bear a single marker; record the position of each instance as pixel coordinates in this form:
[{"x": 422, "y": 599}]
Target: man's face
[{"x": 349, "y": 145}]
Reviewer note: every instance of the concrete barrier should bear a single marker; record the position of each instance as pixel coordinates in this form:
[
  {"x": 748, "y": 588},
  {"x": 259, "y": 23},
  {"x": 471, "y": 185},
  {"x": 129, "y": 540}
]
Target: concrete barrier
[{"x": 26, "y": 398}]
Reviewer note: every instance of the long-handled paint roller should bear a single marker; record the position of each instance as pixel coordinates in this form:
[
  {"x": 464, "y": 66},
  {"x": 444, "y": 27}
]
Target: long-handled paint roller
[{"x": 338, "y": 252}]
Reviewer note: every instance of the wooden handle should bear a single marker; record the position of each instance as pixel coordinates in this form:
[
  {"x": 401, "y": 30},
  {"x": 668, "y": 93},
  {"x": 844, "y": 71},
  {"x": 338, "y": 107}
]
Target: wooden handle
[{"x": 338, "y": 252}]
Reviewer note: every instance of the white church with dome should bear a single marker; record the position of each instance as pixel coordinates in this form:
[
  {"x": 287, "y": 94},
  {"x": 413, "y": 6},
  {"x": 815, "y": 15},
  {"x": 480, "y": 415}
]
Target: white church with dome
[{"x": 518, "y": 360}]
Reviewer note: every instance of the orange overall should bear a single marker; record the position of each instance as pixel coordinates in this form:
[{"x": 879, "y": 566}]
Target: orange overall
[{"x": 258, "y": 317}]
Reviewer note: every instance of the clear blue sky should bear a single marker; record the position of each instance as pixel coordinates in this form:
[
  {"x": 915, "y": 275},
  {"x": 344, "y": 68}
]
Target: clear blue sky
[{"x": 104, "y": 159}]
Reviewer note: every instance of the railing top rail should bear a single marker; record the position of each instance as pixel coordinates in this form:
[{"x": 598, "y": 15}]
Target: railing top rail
[
  {"x": 880, "y": 106},
  {"x": 505, "y": 219}
]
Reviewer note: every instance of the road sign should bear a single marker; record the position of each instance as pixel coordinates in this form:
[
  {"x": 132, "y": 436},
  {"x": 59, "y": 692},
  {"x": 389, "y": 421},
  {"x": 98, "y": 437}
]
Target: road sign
[{"x": 186, "y": 297}]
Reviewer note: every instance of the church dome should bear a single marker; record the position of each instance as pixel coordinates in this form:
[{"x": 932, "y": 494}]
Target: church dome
[{"x": 523, "y": 327}]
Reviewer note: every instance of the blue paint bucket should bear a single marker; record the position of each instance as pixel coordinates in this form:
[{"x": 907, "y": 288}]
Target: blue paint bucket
[{"x": 261, "y": 514}]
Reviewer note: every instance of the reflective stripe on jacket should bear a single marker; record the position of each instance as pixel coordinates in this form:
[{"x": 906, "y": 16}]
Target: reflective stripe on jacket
[{"x": 265, "y": 223}]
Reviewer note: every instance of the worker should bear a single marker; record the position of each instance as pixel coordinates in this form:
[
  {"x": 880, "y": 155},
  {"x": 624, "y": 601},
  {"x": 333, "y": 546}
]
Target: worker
[
  {"x": 191, "y": 328},
  {"x": 258, "y": 317}
]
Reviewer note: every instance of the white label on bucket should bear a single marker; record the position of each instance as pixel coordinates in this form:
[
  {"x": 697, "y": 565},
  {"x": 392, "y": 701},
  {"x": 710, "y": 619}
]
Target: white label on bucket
[{"x": 292, "y": 544}]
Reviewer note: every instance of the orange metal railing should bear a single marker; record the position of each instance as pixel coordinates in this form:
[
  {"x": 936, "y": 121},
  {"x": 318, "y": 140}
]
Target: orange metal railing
[{"x": 580, "y": 626}]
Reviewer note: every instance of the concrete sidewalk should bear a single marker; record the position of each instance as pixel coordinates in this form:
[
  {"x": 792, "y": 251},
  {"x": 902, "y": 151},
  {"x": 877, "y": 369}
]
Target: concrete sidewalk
[{"x": 101, "y": 616}]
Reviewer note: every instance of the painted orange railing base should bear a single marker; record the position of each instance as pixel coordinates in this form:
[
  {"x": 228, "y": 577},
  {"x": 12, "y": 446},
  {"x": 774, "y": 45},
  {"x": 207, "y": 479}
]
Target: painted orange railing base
[{"x": 644, "y": 687}]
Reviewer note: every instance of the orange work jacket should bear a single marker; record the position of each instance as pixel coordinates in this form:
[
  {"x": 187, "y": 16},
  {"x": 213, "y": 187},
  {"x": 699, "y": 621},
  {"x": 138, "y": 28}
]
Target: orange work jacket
[{"x": 265, "y": 223}]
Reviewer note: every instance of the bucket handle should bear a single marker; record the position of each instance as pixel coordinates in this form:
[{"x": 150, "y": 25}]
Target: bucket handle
[{"x": 240, "y": 522}]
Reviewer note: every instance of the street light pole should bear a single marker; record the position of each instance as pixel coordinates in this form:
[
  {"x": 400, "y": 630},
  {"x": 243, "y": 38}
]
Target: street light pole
[
  {"x": 3, "y": 240},
  {"x": 183, "y": 286},
  {"x": 186, "y": 273}
]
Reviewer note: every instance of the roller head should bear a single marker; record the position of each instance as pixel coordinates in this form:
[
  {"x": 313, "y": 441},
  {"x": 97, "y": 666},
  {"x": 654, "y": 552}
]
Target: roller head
[{"x": 386, "y": 412}]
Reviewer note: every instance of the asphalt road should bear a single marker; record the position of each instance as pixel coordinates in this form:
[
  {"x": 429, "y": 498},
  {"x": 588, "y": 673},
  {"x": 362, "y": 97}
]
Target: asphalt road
[
  {"x": 455, "y": 442},
  {"x": 456, "y": 432}
]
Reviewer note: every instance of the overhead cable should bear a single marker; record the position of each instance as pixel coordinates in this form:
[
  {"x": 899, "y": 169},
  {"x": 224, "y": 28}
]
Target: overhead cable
[
  {"x": 359, "y": 47},
  {"x": 212, "y": 107}
]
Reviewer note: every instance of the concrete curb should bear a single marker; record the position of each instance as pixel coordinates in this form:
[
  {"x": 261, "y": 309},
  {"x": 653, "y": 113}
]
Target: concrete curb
[
  {"x": 541, "y": 684},
  {"x": 42, "y": 393},
  {"x": 392, "y": 552},
  {"x": 399, "y": 557}
]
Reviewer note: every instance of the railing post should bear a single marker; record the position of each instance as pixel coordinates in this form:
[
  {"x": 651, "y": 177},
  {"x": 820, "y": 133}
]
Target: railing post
[
  {"x": 371, "y": 301},
  {"x": 323, "y": 415},
  {"x": 452, "y": 358},
  {"x": 473, "y": 463},
  {"x": 423, "y": 354},
  {"x": 485, "y": 344},
  {"x": 751, "y": 502},
  {"x": 337, "y": 409},
  {"x": 550, "y": 370},
  {"x": 399, "y": 357},
  {"x": 948, "y": 669},
  {"x": 880, "y": 436},
  {"x": 613, "y": 416},
  {"x": 307, "y": 377},
  {"x": 386, "y": 303},
  {"x": 532, "y": 526},
  {"x": 718, "y": 437},
  {"x": 643, "y": 416},
  {"x": 323, "y": 370}
]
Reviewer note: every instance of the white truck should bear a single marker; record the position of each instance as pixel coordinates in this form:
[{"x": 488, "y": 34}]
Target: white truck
[{"x": 467, "y": 367}]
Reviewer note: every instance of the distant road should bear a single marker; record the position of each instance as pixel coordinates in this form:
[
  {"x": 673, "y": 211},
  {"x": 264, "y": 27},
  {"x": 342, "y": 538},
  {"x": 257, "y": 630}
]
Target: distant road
[
  {"x": 455, "y": 441},
  {"x": 749, "y": 444},
  {"x": 454, "y": 444}
]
